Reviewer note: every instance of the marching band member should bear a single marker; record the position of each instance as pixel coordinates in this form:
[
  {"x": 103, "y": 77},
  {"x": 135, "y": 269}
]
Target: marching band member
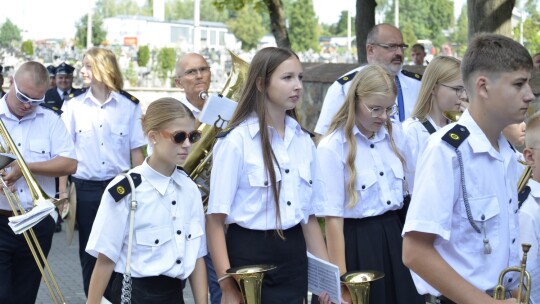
[
  {"x": 462, "y": 226},
  {"x": 362, "y": 161},
  {"x": 441, "y": 91},
  {"x": 265, "y": 179},
  {"x": 44, "y": 143},
  {"x": 104, "y": 123},
  {"x": 168, "y": 231}
]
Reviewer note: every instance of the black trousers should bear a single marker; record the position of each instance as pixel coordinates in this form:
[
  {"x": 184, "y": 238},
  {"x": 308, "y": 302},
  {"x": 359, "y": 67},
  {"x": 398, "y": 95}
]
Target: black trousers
[
  {"x": 288, "y": 282},
  {"x": 89, "y": 195},
  {"x": 149, "y": 290},
  {"x": 19, "y": 273}
]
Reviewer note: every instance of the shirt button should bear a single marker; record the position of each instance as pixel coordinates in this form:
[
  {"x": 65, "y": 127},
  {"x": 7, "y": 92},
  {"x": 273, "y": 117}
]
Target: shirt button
[
  {"x": 483, "y": 217},
  {"x": 42, "y": 151},
  {"x": 288, "y": 203},
  {"x": 156, "y": 241},
  {"x": 381, "y": 173},
  {"x": 513, "y": 241},
  {"x": 388, "y": 202},
  {"x": 372, "y": 146},
  {"x": 286, "y": 170},
  {"x": 178, "y": 261},
  {"x": 310, "y": 182},
  {"x": 100, "y": 126},
  {"x": 363, "y": 187},
  {"x": 173, "y": 202},
  {"x": 266, "y": 183},
  {"x": 19, "y": 144},
  {"x": 103, "y": 163},
  {"x": 510, "y": 201},
  {"x": 510, "y": 280},
  {"x": 189, "y": 236},
  {"x": 178, "y": 232}
]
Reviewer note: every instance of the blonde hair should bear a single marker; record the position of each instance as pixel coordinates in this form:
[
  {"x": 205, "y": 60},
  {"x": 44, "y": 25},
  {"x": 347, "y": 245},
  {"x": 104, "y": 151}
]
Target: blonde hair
[
  {"x": 162, "y": 111},
  {"x": 105, "y": 68},
  {"x": 369, "y": 81},
  {"x": 532, "y": 131},
  {"x": 441, "y": 69}
]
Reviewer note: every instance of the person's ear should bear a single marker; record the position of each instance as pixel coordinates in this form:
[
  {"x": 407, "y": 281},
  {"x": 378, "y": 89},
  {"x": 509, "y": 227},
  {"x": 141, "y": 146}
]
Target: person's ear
[
  {"x": 152, "y": 137},
  {"x": 178, "y": 82},
  {"x": 528, "y": 155},
  {"x": 483, "y": 85},
  {"x": 259, "y": 84}
]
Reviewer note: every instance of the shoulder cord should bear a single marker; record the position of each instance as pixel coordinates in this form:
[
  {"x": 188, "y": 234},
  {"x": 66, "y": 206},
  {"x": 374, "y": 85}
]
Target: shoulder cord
[
  {"x": 487, "y": 246},
  {"x": 126, "y": 282}
]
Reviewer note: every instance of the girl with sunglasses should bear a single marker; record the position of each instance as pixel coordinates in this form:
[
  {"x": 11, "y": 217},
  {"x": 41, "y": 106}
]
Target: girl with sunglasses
[
  {"x": 168, "y": 232},
  {"x": 363, "y": 161},
  {"x": 265, "y": 179},
  {"x": 441, "y": 91}
]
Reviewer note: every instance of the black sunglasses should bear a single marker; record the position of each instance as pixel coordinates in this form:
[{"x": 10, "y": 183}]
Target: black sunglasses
[{"x": 180, "y": 136}]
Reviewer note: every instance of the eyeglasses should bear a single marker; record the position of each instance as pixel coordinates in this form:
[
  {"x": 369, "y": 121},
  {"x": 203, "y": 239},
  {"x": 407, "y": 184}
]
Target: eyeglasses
[
  {"x": 25, "y": 99},
  {"x": 392, "y": 47},
  {"x": 180, "y": 136},
  {"x": 459, "y": 90},
  {"x": 194, "y": 72},
  {"x": 378, "y": 111}
]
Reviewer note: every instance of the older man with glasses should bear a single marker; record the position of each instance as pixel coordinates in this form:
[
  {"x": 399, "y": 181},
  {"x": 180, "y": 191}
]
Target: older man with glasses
[
  {"x": 193, "y": 75},
  {"x": 384, "y": 46},
  {"x": 44, "y": 143}
]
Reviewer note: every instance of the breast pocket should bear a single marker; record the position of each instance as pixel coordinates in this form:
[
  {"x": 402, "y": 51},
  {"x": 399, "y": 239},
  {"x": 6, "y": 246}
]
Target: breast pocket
[
  {"x": 261, "y": 183},
  {"x": 485, "y": 213},
  {"x": 397, "y": 183},
  {"x": 40, "y": 150},
  {"x": 154, "y": 244},
  {"x": 306, "y": 185},
  {"x": 119, "y": 133},
  {"x": 366, "y": 185}
]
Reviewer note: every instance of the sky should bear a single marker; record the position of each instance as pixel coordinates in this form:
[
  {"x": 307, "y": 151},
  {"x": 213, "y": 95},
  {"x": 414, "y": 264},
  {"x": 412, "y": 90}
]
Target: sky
[{"x": 42, "y": 19}]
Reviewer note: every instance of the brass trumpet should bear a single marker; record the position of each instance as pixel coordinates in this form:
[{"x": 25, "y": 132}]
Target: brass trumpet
[
  {"x": 359, "y": 283},
  {"x": 453, "y": 116},
  {"x": 38, "y": 197},
  {"x": 499, "y": 293},
  {"x": 249, "y": 279}
]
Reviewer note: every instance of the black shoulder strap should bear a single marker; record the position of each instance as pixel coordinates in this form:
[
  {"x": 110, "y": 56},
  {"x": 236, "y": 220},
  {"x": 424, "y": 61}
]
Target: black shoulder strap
[
  {"x": 412, "y": 75},
  {"x": 522, "y": 196},
  {"x": 52, "y": 107},
  {"x": 429, "y": 127},
  {"x": 343, "y": 80},
  {"x": 122, "y": 188},
  {"x": 224, "y": 133},
  {"x": 129, "y": 96},
  {"x": 76, "y": 92},
  {"x": 456, "y": 136}
]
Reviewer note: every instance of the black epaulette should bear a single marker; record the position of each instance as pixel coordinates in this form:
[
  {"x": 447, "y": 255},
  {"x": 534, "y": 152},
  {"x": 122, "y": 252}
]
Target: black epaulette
[
  {"x": 522, "y": 195},
  {"x": 129, "y": 96},
  {"x": 456, "y": 135},
  {"x": 224, "y": 133},
  {"x": 412, "y": 75},
  {"x": 76, "y": 92},
  {"x": 343, "y": 80},
  {"x": 311, "y": 134},
  {"x": 122, "y": 188},
  {"x": 52, "y": 107}
]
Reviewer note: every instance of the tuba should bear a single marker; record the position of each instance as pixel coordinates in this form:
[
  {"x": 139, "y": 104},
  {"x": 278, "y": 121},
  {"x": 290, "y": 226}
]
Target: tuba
[
  {"x": 249, "y": 279},
  {"x": 38, "y": 197},
  {"x": 499, "y": 293},
  {"x": 358, "y": 283},
  {"x": 198, "y": 163}
]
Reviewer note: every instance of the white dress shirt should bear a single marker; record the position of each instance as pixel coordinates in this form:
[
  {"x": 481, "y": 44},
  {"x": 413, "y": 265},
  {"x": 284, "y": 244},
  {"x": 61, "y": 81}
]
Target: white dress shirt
[
  {"x": 196, "y": 112},
  {"x": 337, "y": 92},
  {"x": 437, "y": 206},
  {"x": 417, "y": 136},
  {"x": 39, "y": 136},
  {"x": 529, "y": 221},
  {"x": 104, "y": 134},
  {"x": 240, "y": 187},
  {"x": 379, "y": 173},
  {"x": 168, "y": 233}
]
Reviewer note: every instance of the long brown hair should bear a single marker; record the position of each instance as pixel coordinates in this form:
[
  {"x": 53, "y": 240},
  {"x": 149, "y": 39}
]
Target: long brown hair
[
  {"x": 253, "y": 100},
  {"x": 371, "y": 80},
  {"x": 105, "y": 68}
]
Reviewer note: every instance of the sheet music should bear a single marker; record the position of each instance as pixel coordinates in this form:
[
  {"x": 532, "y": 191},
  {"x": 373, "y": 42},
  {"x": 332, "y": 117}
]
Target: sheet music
[
  {"x": 218, "y": 110},
  {"x": 21, "y": 223},
  {"x": 323, "y": 276}
]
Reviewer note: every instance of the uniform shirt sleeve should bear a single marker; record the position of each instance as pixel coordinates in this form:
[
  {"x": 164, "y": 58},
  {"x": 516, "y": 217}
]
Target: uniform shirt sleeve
[
  {"x": 333, "y": 173},
  {"x": 137, "y": 138},
  {"x": 227, "y": 159},
  {"x": 528, "y": 230},
  {"x": 67, "y": 117},
  {"x": 61, "y": 142},
  {"x": 109, "y": 228},
  {"x": 334, "y": 98},
  {"x": 198, "y": 213}
]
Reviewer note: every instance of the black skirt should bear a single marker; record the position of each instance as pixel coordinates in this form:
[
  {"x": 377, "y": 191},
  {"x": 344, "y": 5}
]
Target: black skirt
[
  {"x": 148, "y": 290},
  {"x": 288, "y": 282},
  {"x": 375, "y": 243}
]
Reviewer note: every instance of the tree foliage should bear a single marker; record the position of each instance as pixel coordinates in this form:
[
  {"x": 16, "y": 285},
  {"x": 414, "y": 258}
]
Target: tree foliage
[
  {"x": 247, "y": 28},
  {"x": 143, "y": 55},
  {"x": 27, "y": 47},
  {"x": 10, "y": 34},
  {"x": 339, "y": 28},
  {"x": 111, "y": 8},
  {"x": 98, "y": 32},
  {"x": 461, "y": 32},
  {"x": 531, "y": 28},
  {"x": 166, "y": 60},
  {"x": 303, "y": 26}
]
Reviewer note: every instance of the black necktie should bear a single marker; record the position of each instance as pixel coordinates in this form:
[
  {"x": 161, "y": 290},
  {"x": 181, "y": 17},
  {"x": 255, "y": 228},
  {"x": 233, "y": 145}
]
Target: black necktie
[{"x": 64, "y": 95}]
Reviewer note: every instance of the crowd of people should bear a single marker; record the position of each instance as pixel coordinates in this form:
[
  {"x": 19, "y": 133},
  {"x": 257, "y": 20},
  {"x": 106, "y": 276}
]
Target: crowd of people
[{"x": 403, "y": 188}]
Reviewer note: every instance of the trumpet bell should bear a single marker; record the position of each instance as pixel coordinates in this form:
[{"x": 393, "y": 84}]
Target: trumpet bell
[
  {"x": 249, "y": 279},
  {"x": 452, "y": 115},
  {"x": 358, "y": 283}
]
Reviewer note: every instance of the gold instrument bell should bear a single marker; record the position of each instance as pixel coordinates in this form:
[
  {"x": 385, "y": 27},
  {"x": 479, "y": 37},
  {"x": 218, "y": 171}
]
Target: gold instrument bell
[
  {"x": 524, "y": 279},
  {"x": 453, "y": 116},
  {"x": 359, "y": 283},
  {"x": 249, "y": 278}
]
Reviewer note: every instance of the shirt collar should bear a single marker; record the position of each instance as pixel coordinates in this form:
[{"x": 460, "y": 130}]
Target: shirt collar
[
  {"x": 4, "y": 110},
  {"x": 159, "y": 181},
  {"x": 113, "y": 96},
  {"x": 191, "y": 107},
  {"x": 380, "y": 135},
  {"x": 252, "y": 123}
]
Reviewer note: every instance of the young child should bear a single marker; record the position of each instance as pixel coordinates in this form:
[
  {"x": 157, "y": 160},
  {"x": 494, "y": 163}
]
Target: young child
[
  {"x": 362, "y": 161},
  {"x": 265, "y": 178},
  {"x": 441, "y": 91},
  {"x": 168, "y": 232},
  {"x": 462, "y": 226}
]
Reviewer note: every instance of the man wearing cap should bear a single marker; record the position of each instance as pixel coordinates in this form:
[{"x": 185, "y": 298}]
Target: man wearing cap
[
  {"x": 52, "y": 73},
  {"x": 45, "y": 145},
  {"x": 2, "y": 93},
  {"x": 64, "y": 79}
]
